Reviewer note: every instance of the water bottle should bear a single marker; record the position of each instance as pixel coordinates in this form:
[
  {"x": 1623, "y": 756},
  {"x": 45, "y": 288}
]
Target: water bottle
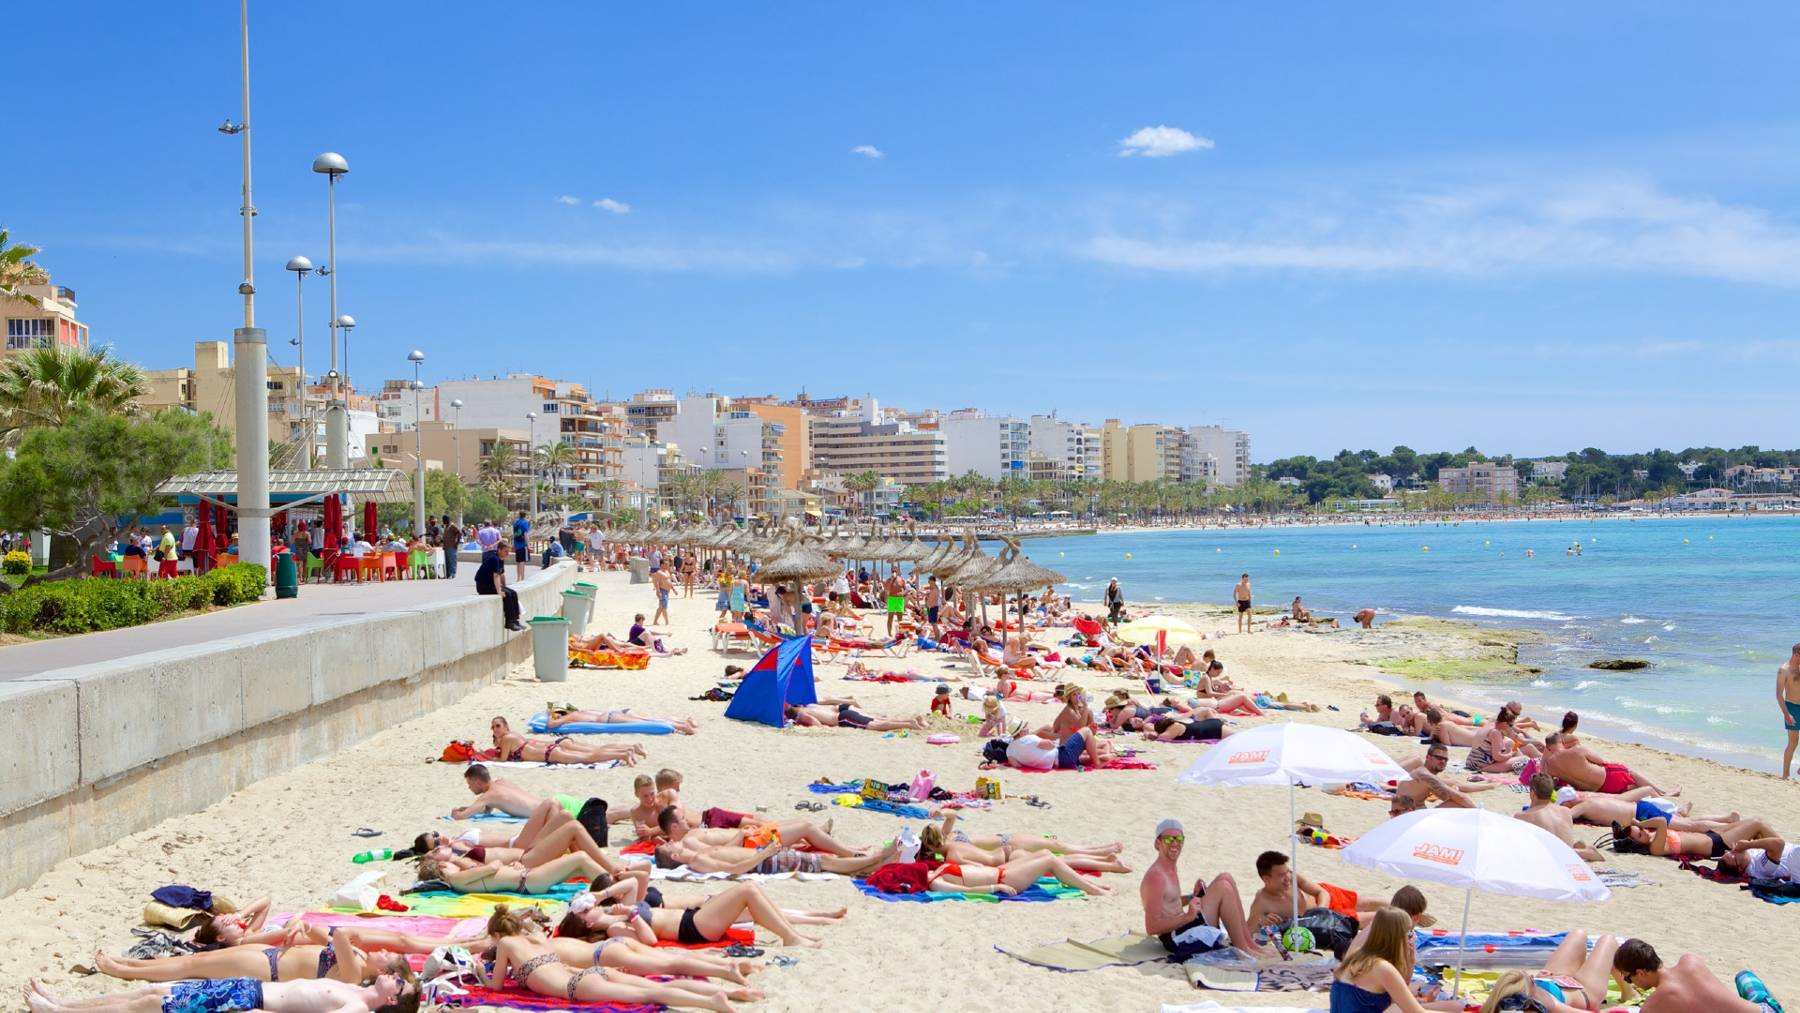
[
  {"x": 372, "y": 856},
  {"x": 1752, "y": 989}
]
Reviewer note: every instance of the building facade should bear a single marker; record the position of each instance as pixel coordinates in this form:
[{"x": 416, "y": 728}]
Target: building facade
[
  {"x": 852, "y": 443},
  {"x": 1229, "y": 449},
  {"x": 1483, "y": 480},
  {"x": 1067, "y": 450},
  {"x": 566, "y": 414},
  {"x": 49, "y": 322},
  {"x": 994, "y": 447}
]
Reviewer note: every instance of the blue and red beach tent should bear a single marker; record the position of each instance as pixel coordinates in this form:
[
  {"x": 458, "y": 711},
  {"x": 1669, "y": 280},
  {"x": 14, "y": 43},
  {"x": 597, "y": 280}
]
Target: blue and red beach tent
[{"x": 783, "y": 676}]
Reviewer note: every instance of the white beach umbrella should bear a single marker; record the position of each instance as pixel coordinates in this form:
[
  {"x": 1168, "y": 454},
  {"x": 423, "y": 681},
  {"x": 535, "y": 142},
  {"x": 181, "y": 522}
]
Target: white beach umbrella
[
  {"x": 1477, "y": 850},
  {"x": 1291, "y": 753}
]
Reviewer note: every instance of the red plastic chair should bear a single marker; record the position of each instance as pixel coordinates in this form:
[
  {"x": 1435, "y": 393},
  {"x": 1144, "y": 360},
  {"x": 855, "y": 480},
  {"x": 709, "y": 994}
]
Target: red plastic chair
[
  {"x": 343, "y": 566},
  {"x": 102, "y": 567},
  {"x": 369, "y": 566},
  {"x": 391, "y": 564}
]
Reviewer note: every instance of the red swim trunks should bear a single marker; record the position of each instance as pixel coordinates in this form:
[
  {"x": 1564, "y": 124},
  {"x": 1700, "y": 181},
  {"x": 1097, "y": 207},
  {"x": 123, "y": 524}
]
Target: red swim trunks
[
  {"x": 1619, "y": 779},
  {"x": 1342, "y": 901}
]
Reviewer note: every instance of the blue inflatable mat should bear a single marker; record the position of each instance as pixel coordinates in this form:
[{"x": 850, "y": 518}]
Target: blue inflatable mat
[{"x": 540, "y": 724}]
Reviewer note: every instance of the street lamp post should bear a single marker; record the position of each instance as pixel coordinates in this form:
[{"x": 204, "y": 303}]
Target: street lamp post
[
  {"x": 456, "y": 444},
  {"x": 337, "y": 423},
  {"x": 251, "y": 361},
  {"x": 417, "y": 358},
  {"x": 744, "y": 456},
  {"x": 531, "y": 460},
  {"x": 301, "y": 268}
]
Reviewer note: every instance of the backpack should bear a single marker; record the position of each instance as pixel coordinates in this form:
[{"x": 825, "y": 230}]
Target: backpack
[
  {"x": 593, "y": 818},
  {"x": 458, "y": 751},
  {"x": 995, "y": 750}
]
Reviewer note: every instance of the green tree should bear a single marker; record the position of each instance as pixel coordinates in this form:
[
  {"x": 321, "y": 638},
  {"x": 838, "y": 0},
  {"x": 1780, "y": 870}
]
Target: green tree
[
  {"x": 863, "y": 484},
  {"x": 77, "y": 479},
  {"x": 48, "y": 386},
  {"x": 483, "y": 505},
  {"x": 499, "y": 472},
  {"x": 17, "y": 270},
  {"x": 445, "y": 494}
]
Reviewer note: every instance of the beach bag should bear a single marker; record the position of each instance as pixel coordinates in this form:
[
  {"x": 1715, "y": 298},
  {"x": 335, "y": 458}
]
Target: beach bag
[
  {"x": 907, "y": 845},
  {"x": 988, "y": 787},
  {"x": 593, "y": 818},
  {"x": 900, "y": 877},
  {"x": 1330, "y": 930},
  {"x": 994, "y": 751},
  {"x": 922, "y": 784},
  {"x": 872, "y": 788},
  {"x": 458, "y": 751}
]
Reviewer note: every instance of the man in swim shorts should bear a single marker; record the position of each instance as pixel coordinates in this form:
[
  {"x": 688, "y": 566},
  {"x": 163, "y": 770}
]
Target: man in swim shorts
[
  {"x": 1274, "y": 902},
  {"x": 233, "y": 995},
  {"x": 1688, "y": 986},
  {"x": 1787, "y": 695},
  {"x": 1579, "y": 767},
  {"x": 1210, "y": 918},
  {"x": 1241, "y": 593},
  {"x": 895, "y": 589},
  {"x": 774, "y": 857},
  {"x": 494, "y": 794}
]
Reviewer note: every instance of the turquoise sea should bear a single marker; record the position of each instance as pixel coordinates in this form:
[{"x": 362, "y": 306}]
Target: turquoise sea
[{"x": 1712, "y": 602}]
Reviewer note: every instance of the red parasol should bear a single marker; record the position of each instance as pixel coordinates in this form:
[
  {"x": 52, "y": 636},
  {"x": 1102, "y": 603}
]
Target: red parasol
[
  {"x": 369, "y": 519},
  {"x": 203, "y": 540},
  {"x": 223, "y": 517},
  {"x": 334, "y": 521}
]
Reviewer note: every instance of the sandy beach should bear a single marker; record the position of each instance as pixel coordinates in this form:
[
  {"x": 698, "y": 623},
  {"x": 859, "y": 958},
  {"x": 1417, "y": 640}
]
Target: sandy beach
[{"x": 289, "y": 836}]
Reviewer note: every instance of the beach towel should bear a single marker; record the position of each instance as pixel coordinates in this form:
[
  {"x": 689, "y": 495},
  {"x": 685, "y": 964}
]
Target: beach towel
[
  {"x": 419, "y": 925},
  {"x": 1210, "y": 1006},
  {"x": 1119, "y": 763},
  {"x": 1617, "y": 880},
  {"x": 848, "y": 796},
  {"x": 1523, "y": 948},
  {"x": 486, "y": 758},
  {"x": 1041, "y": 892},
  {"x": 631, "y": 661},
  {"x": 683, "y": 874},
  {"x": 515, "y": 997},
  {"x": 1127, "y": 949},
  {"x": 540, "y": 724},
  {"x": 450, "y": 904}
]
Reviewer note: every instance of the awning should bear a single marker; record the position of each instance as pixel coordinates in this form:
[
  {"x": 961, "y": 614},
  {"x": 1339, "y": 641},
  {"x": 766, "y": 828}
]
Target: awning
[{"x": 294, "y": 488}]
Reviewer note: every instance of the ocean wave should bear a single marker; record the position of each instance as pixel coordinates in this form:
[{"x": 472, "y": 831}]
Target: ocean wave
[
  {"x": 1668, "y": 627},
  {"x": 1482, "y": 610},
  {"x": 1586, "y": 684},
  {"x": 1632, "y": 621},
  {"x": 1661, "y": 708},
  {"x": 1714, "y": 719},
  {"x": 1682, "y": 741},
  {"x": 1542, "y": 683}
]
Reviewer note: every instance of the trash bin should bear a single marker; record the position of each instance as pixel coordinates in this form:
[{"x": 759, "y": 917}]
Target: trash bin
[
  {"x": 287, "y": 576},
  {"x": 640, "y": 570},
  {"x": 577, "y": 606},
  {"x": 550, "y": 648}
]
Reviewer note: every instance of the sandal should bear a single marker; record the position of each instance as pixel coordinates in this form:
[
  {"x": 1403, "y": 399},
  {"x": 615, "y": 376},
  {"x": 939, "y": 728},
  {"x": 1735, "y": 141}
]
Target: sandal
[{"x": 740, "y": 950}]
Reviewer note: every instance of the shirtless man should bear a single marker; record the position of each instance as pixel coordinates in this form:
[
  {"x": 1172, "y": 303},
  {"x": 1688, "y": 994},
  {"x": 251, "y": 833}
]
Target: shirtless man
[
  {"x": 663, "y": 584},
  {"x": 1422, "y": 705},
  {"x": 1787, "y": 696},
  {"x": 1554, "y": 819},
  {"x": 1274, "y": 902},
  {"x": 1687, "y": 987},
  {"x": 1637, "y": 804},
  {"x": 494, "y": 794},
  {"x": 894, "y": 590},
  {"x": 651, "y": 801},
  {"x": 1444, "y": 728},
  {"x": 772, "y": 858},
  {"x": 1365, "y": 618},
  {"x": 1210, "y": 918},
  {"x": 676, "y": 829},
  {"x": 1577, "y": 766},
  {"x": 1429, "y": 781},
  {"x": 1241, "y": 594},
  {"x": 317, "y": 995},
  {"x": 843, "y": 714}
]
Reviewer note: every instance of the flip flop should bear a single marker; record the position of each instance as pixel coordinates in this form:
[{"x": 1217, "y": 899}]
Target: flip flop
[
  {"x": 740, "y": 950},
  {"x": 365, "y": 832}
]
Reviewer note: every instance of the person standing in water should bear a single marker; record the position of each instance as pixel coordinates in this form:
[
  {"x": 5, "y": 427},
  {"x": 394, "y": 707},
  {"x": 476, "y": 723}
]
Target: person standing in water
[
  {"x": 1246, "y": 619},
  {"x": 1787, "y": 696}
]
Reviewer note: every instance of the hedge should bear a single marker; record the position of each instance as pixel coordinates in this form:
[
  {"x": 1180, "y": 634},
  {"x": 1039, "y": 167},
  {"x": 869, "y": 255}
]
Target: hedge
[{"x": 86, "y": 604}]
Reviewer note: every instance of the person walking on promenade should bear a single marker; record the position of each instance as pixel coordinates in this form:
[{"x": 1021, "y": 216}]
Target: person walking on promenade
[{"x": 449, "y": 539}]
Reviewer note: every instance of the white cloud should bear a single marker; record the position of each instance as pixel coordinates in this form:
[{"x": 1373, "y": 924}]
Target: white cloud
[
  {"x": 868, "y": 151},
  {"x": 1161, "y": 142},
  {"x": 1575, "y": 227},
  {"x": 611, "y": 206},
  {"x": 568, "y": 200}
]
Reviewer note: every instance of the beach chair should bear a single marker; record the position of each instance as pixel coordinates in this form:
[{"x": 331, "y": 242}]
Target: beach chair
[
  {"x": 314, "y": 566},
  {"x": 227, "y": 558},
  {"x": 135, "y": 566},
  {"x": 419, "y": 564},
  {"x": 1090, "y": 630},
  {"x": 392, "y": 563},
  {"x": 101, "y": 567},
  {"x": 728, "y": 636},
  {"x": 436, "y": 562},
  {"x": 369, "y": 566}
]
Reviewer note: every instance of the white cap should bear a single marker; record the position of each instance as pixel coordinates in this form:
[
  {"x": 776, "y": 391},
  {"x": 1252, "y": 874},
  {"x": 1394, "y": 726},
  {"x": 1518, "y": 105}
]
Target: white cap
[
  {"x": 1170, "y": 827},
  {"x": 1565, "y": 795}
]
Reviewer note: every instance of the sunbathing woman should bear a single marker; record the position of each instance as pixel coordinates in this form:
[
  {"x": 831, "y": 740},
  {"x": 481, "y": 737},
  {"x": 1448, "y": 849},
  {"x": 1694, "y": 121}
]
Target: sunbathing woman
[
  {"x": 1573, "y": 980},
  {"x": 567, "y": 714},
  {"x": 1653, "y": 836},
  {"x": 1168, "y": 729},
  {"x": 845, "y": 715},
  {"x": 674, "y": 825},
  {"x": 604, "y": 642},
  {"x": 1010, "y": 878},
  {"x": 567, "y": 838},
  {"x": 707, "y": 922},
  {"x": 245, "y": 925},
  {"x": 1007, "y": 686},
  {"x": 522, "y": 952},
  {"x": 514, "y": 747},
  {"x": 770, "y": 859},
  {"x": 465, "y": 876},
  {"x": 947, "y": 844},
  {"x": 343, "y": 960}
]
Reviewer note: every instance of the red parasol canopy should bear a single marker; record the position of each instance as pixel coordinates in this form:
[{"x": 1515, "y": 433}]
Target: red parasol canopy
[
  {"x": 223, "y": 517},
  {"x": 334, "y": 521},
  {"x": 369, "y": 519},
  {"x": 203, "y": 540}
]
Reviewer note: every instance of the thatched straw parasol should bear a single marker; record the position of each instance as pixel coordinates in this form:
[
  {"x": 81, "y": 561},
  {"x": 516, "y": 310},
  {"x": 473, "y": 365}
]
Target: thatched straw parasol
[
  {"x": 799, "y": 558},
  {"x": 1014, "y": 573}
]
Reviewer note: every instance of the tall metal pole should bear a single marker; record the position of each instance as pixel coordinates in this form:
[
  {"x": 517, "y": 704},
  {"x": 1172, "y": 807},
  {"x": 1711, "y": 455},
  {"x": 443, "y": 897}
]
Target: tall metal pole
[
  {"x": 251, "y": 352},
  {"x": 456, "y": 445},
  {"x": 531, "y": 459},
  {"x": 337, "y": 423},
  {"x": 418, "y": 359},
  {"x": 301, "y": 268}
]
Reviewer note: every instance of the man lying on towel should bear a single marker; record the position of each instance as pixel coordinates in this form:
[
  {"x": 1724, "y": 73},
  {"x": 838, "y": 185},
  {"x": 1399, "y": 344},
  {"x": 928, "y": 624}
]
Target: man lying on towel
[{"x": 773, "y": 858}]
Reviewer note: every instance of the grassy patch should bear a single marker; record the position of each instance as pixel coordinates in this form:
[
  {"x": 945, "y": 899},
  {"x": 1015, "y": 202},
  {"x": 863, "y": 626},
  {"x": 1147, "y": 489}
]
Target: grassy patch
[{"x": 1453, "y": 669}]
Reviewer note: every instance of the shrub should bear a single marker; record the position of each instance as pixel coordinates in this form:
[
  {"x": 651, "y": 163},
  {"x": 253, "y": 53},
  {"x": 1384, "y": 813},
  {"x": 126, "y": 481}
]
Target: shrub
[
  {"x": 238, "y": 583},
  {"x": 86, "y": 604},
  {"x": 16, "y": 562}
]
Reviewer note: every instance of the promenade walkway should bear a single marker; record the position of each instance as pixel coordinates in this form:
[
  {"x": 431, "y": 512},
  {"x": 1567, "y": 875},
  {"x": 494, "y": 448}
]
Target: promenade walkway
[{"x": 318, "y": 605}]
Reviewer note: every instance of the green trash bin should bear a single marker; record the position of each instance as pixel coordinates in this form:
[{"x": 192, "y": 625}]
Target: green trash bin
[
  {"x": 577, "y": 607},
  {"x": 287, "y": 576},
  {"x": 550, "y": 648}
]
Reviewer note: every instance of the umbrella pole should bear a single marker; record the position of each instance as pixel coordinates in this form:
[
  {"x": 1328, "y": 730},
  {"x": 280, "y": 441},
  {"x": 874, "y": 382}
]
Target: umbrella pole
[
  {"x": 1294, "y": 853},
  {"x": 1462, "y": 945}
]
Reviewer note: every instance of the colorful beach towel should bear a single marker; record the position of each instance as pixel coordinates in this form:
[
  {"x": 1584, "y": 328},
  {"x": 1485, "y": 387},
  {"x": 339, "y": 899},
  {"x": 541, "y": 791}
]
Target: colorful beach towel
[
  {"x": 1041, "y": 892},
  {"x": 1120, "y": 763},
  {"x": 519, "y": 998},
  {"x": 419, "y": 925},
  {"x": 848, "y": 796},
  {"x": 450, "y": 904},
  {"x": 540, "y": 725}
]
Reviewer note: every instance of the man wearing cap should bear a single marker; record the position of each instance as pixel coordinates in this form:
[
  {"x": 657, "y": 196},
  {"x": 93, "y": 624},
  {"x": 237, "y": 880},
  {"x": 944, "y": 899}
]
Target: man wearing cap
[
  {"x": 1188, "y": 924},
  {"x": 1545, "y": 814},
  {"x": 1428, "y": 781}
]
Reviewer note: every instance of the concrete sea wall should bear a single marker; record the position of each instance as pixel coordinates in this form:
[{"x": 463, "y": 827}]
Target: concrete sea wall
[{"x": 96, "y": 752}]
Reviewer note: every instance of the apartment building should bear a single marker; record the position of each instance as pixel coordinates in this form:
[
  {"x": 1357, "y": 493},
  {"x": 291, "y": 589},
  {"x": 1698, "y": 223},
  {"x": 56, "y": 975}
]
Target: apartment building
[
  {"x": 648, "y": 409},
  {"x": 1229, "y": 449},
  {"x": 849, "y": 443},
  {"x": 462, "y": 452},
  {"x": 994, "y": 447},
  {"x": 1484, "y": 480},
  {"x": 47, "y": 322},
  {"x": 1068, "y": 450},
  {"x": 394, "y": 405},
  {"x": 566, "y": 413}
]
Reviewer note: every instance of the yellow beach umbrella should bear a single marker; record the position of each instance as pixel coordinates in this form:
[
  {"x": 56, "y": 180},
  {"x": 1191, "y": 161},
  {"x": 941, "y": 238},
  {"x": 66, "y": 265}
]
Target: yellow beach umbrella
[{"x": 1145, "y": 631}]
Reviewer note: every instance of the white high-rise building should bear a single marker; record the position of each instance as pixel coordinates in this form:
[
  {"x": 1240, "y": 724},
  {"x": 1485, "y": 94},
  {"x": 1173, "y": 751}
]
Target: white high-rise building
[
  {"x": 1070, "y": 449},
  {"x": 852, "y": 442},
  {"x": 991, "y": 446},
  {"x": 713, "y": 435},
  {"x": 1229, "y": 449}
]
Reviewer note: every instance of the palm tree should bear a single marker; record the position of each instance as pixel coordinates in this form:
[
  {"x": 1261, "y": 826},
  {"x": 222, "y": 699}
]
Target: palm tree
[
  {"x": 552, "y": 459},
  {"x": 862, "y": 483},
  {"x": 48, "y": 386},
  {"x": 499, "y": 470},
  {"x": 17, "y": 270}
]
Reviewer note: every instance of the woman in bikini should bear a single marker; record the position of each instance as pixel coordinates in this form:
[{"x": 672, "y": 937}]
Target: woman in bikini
[
  {"x": 843, "y": 714},
  {"x": 565, "y": 839},
  {"x": 1653, "y": 836},
  {"x": 513, "y": 747},
  {"x": 1010, "y": 878},
  {"x": 522, "y": 953},
  {"x": 1573, "y": 980},
  {"x": 345, "y": 958},
  {"x": 947, "y": 844},
  {"x": 565, "y": 714},
  {"x": 691, "y": 926},
  {"x": 1190, "y": 729},
  {"x": 464, "y": 875}
]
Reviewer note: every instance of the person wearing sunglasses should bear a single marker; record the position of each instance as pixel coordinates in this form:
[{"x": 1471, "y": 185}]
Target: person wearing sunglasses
[{"x": 1209, "y": 918}]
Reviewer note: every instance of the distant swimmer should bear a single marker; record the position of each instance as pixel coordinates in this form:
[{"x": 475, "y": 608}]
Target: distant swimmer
[
  {"x": 1366, "y": 619},
  {"x": 1787, "y": 695}
]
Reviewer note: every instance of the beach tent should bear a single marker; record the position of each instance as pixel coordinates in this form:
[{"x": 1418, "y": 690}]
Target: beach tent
[{"x": 783, "y": 676}]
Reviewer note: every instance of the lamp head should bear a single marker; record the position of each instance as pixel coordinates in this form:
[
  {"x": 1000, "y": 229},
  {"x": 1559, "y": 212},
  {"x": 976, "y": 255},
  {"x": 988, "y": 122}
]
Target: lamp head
[
  {"x": 346, "y": 321},
  {"x": 300, "y": 265},
  {"x": 456, "y": 402},
  {"x": 331, "y": 164},
  {"x": 415, "y": 356}
]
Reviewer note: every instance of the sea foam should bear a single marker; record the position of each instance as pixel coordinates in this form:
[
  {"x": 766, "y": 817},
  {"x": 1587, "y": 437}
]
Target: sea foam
[{"x": 1482, "y": 610}]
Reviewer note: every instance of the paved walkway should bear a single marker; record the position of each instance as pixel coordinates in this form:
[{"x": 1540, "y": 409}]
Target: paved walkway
[{"x": 317, "y": 605}]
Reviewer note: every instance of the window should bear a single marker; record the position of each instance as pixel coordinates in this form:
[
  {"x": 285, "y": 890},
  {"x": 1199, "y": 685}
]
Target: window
[{"x": 29, "y": 332}]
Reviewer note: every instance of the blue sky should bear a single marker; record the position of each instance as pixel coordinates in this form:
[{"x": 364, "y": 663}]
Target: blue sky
[{"x": 1529, "y": 227}]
